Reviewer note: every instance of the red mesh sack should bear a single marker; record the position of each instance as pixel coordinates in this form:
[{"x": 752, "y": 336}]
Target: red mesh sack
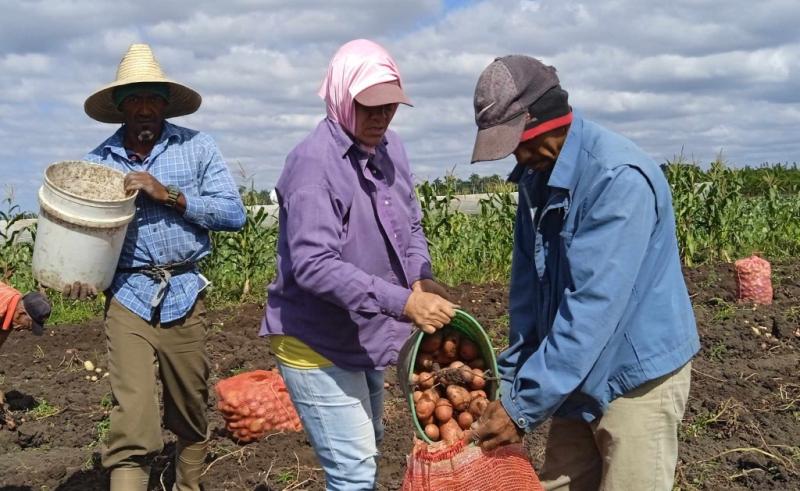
[
  {"x": 754, "y": 278},
  {"x": 255, "y": 403},
  {"x": 463, "y": 467}
]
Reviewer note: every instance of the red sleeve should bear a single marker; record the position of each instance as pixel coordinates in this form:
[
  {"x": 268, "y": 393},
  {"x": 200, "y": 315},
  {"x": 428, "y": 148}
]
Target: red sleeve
[{"x": 9, "y": 298}]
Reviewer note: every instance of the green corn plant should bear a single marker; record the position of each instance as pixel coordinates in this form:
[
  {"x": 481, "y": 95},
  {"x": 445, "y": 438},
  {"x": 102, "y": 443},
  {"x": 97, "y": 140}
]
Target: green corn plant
[
  {"x": 726, "y": 213},
  {"x": 243, "y": 260},
  {"x": 15, "y": 255}
]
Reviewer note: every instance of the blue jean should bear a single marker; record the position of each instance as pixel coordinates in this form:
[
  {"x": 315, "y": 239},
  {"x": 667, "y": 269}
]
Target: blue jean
[{"x": 341, "y": 411}]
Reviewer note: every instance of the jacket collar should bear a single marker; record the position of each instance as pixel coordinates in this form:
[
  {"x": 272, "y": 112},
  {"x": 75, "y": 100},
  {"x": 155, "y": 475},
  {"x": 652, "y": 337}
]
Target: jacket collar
[{"x": 566, "y": 173}]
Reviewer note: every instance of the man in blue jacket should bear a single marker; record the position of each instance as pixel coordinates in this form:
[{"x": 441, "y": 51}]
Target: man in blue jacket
[{"x": 602, "y": 330}]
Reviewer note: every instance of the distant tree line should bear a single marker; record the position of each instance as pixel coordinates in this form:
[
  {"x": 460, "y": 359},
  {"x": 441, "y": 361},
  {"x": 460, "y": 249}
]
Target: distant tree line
[
  {"x": 758, "y": 181},
  {"x": 474, "y": 184}
]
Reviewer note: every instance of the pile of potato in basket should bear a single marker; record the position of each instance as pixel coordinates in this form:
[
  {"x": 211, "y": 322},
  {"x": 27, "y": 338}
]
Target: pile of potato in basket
[{"x": 449, "y": 379}]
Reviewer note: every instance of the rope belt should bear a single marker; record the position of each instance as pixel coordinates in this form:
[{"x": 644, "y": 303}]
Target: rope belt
[{"x": 161, "y": 273}]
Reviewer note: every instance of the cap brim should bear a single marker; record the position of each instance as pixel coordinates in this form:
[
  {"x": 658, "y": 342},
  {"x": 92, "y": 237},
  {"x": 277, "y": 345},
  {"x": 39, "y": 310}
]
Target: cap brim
[
  {"x": 383, "y": 93},
  {"x": 36, "y": 328},
  {"x": 499, "y": 141}
]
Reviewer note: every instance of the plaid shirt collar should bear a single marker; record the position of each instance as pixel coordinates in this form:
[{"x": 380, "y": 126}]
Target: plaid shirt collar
[{"x": 116, "y": 144}]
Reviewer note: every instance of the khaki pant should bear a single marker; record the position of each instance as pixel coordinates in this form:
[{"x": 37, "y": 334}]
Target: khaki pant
[
  {"x": 137, "y": 350},
  {"x": 634, "y": 446}
]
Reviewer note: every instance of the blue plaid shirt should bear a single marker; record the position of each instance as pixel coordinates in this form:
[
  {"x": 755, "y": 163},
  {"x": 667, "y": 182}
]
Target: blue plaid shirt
[{"x": 159, "y": 235}]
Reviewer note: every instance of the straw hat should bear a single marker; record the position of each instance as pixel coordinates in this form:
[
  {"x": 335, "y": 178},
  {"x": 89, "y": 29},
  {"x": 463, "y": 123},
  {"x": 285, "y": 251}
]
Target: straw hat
[{"x": 139, "y": 65}]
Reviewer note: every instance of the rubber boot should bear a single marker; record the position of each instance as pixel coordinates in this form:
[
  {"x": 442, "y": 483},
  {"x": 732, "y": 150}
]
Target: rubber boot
[
  {"x": 130, "y": 478},
  {"x": 190, "y": 459}
]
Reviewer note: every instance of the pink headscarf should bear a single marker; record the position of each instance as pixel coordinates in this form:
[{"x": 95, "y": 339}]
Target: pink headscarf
[{"x": 357, "y": 65}]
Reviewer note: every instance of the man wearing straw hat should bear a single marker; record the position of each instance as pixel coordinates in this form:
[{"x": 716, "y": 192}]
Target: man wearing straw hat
[{"x": 155, "y": 312}]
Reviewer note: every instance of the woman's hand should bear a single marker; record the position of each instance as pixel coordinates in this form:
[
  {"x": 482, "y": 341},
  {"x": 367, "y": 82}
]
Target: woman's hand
[
  {"x": 428, "y": 311},
  {"x": 431, "y": 286}
]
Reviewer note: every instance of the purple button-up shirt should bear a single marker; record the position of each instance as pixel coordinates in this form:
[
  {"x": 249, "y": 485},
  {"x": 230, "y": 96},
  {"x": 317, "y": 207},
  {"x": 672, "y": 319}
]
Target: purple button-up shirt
[{"x": 350, "y": 246}]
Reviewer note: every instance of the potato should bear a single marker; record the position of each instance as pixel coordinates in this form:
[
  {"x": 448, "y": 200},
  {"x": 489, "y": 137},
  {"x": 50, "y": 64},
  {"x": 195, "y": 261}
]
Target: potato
[
  {"x": 427, "y": 421},
  {"x": 467, "y": 375},
  {"x": 425, "y": 380},
  {"x": 424, "y": 361},
  {"x": 477, "y": 363},
  {"x": 431, "y": 342},
  {"x": 237, "y": 424},
  {"x": 417, "y": 395},
  {"x": 450, "y": 431},
  {"x": 449, "y": 349},
  {"x": 477, "y": 406},
  {"x": 477, "y": 393},
  {"x": 459, "y": 397},
  {"x": 256, "y": 425},
  {"x": 433, "y": 394},
  {"x": 478, "y": 382},
  {"x": 452, "y": 335},
  {"x": 443, "y": 411},
  {"x": 468, "y": 350},
  {"x": 465, "y": 420},
  {"x": 456, "y": 364},
  {"x": 424, "y": 407},
  {"x": 432, "y": 432},
  {"x": 414, "y": 378}
]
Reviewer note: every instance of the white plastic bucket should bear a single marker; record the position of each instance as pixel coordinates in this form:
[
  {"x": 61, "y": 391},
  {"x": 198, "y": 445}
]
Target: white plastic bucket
[{"x": 84, "y": 214}]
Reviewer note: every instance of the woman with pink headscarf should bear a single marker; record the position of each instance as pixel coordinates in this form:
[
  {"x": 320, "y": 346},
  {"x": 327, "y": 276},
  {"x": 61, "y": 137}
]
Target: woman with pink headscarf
[{"x": 354, "y": 272}]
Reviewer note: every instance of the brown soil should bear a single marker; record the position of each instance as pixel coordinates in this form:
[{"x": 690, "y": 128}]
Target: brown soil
[{"x": 741, "y": 430}]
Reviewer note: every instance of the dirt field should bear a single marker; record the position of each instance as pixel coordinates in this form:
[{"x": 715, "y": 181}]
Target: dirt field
[{"x": 741, "y": 431}]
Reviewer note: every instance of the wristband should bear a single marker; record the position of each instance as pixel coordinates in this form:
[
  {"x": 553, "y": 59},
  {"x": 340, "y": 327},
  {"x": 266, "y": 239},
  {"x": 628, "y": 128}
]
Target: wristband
[{"x": 172, "y": 196}]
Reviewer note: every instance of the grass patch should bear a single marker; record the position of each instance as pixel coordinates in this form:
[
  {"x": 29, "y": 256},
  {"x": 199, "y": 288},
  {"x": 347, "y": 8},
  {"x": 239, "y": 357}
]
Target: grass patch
[
  {"x": 718, "y": 352},
  {"x": 724, "y": 310},
  {"x": 43, "y": 409}
]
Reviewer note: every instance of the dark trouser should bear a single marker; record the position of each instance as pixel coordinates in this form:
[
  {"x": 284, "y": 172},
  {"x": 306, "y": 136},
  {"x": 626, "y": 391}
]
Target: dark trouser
[{"x": 136, "y": 350}]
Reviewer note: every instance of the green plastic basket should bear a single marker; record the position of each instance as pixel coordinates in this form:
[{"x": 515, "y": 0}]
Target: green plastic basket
[{"x": 467, "y": 326}]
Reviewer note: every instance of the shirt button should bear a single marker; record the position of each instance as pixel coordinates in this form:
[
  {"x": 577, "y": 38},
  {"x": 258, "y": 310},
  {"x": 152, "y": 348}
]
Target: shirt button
[
  {"x": 395, "y": 235},
  {"x": 522, "y": 422},
  {"x": 386, "y": 202}
]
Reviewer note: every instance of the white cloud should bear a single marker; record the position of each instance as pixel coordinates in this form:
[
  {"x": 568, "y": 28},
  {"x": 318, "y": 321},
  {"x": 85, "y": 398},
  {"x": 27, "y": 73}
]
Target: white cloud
[{"x": 697, "y": 76}]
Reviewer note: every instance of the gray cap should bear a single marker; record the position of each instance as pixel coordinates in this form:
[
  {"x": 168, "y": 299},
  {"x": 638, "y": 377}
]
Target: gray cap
[
  {"x": 504, "y": 91},
  {"x": 37, "y": 306}
]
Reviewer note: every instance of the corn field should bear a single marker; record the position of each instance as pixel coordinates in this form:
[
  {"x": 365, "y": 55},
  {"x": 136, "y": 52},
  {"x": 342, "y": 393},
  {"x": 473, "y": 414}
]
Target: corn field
[
  {"x": 721, "y": 214},
  {"x": 724, "y": 213}
]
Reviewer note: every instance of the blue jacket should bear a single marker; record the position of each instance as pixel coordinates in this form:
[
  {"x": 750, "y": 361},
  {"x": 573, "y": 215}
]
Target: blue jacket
[{"x": 598, "y": 304}]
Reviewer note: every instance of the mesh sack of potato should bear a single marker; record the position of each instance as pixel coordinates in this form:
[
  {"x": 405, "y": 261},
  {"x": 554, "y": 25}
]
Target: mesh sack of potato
[
  {"x": 448, "y": 378},
  {"x": 754, "y": 279},
  {"x": 254, "y": 404},
  {"x": 459, "y": 467}
]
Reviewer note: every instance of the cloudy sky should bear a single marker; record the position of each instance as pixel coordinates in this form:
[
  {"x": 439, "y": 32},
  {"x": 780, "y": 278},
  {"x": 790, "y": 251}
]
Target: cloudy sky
[{"x": 690, "y": 76}]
